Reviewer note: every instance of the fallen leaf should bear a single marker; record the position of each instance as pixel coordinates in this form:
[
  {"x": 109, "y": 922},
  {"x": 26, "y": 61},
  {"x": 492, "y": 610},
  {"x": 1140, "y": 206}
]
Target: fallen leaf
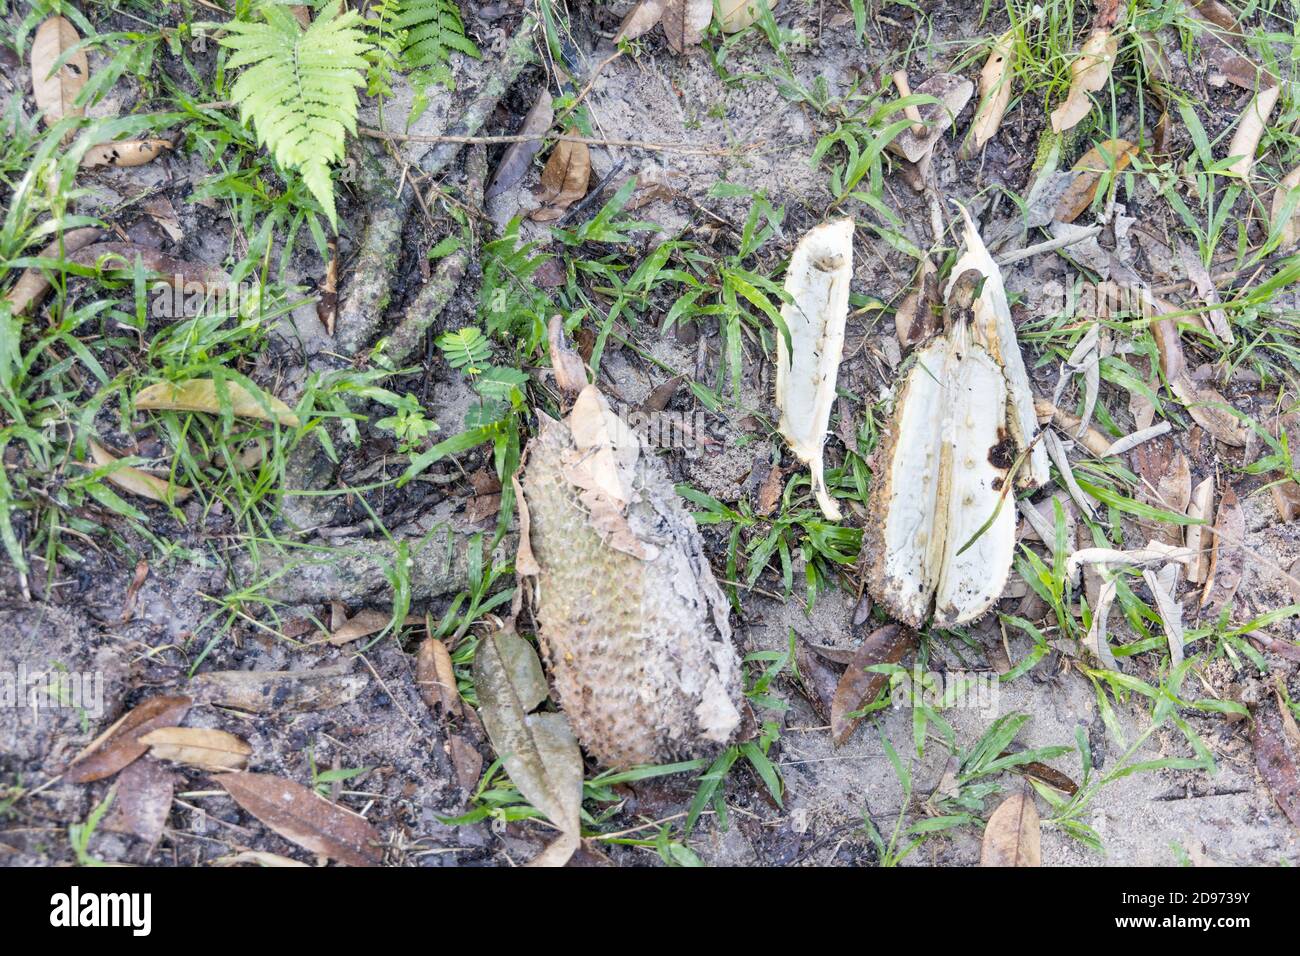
[
  {"x": 436, "y": 677},
  {"x": 818, "y": 679},
  {"x": 1108, "y": 157},
  {"x": 995, "y": 94},
  {"x": 1166, "y": 484},
  {"x": 200, "y": 395},
  {"x": 566, "y": 364},
  {"x": 640, "y": 20},
  {"x": 1216, "y": 318},
  {"x": 684, "y": 22},
  {"x": 1045, "y": 774},
  {"x": 738, "y": 14},
  {"x": 362, "y": 624},
  {"x": 143, "y": 802},
  {"x": 161, "y": 211},
  {"x": 564, "y": 178},
  {"x": 1277, "y": 758},
  {"x": 1207, "y": 407},
  {"x": 1011, "y": 837},
  {"x": 1245, "y": 140},
  {"x": 302, "y": 817},
  {"x": 953, "y": 92},
  {"x": 280, "y": 691},
  {"x": 920, "y": 314},
  {"x": 134, "y": 480},
  {"x": 257, "y": 858},
  {"x": 182, "y": 274},
  {"x": 859, "y": 687},
  {"x": 133, "y": 589},
  {"x": 33, "y": 284},
  {"x": 1227, "y": 559},
  {"x": 769, "y": 492},
  {"x": 55, "y": 91},
  {"x": 327, "y": 305},
  {"x": 537, "y": 749},
  {"x": 120, "y": 744},
  {"x": 1168, "y": 609},
  {"x": 518, "y": 157},
  {"x": 1088, "y": 74},
  {"x": 662, "y": 394},
  {"x": 467, "y": 761},
  {"x": 1199, "y": 536},
  {"x": 213, "y": 750},
  {"x": 1289, "y": 231},
  {"x": 127, "y": 152}
]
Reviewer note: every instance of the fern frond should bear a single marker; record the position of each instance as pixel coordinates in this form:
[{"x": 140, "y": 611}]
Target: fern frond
[
  {"x": 299, "y": 88},
  {"x": 466, "y": 349},
  {"x": 434, "y": 30}
]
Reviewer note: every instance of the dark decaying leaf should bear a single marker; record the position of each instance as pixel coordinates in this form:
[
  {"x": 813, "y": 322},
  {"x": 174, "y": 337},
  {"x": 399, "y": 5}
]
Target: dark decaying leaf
[
  {"x": 437, "y": 679},
  {"x": 1045, "y": 774},
  {"x": 1278, "y": 758},
  {"x": 920, "y": 314},
  {"x": 818, "y": 679},
  {"x": 859, "y": 687},
  {"x": 564, "y": 178},
  {"x": 302, "y": 817},
  {"x": 1011, "y": 837},
  {"x": 685, "y": 21},
  {"x": 518, "y": 157},
  {"x": 280, "y": 691},
  {"x": 467, "y": 761},
  {"x": 537, "y": 749},
  {"x": 1227, "y": 560},
  {"x": 120, "y": 744},
  {"x": 144, "y": 801}
]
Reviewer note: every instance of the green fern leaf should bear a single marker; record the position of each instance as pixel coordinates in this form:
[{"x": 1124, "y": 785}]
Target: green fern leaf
[
  {"x": 466, "y": 349},
  {"x": 434, "y": 31},
  {"x": 299, "y": 88}
]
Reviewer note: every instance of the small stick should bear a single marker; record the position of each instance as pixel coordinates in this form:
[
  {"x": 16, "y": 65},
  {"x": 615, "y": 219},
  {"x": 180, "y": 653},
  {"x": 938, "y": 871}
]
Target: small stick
[
  {"x": 1049, "y": 245},
  {"x": 911, "y": 112}
]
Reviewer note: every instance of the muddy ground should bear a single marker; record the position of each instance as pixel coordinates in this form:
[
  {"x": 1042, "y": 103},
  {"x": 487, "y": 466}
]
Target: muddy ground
[{"x": 75, "y": 619}]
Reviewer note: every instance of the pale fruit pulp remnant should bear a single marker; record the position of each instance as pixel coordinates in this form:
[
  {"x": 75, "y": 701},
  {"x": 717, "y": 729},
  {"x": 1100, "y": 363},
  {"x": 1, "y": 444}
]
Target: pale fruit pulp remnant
[
  {"x": 633, "y": 625},
  {"x": 818, "y": 279}
]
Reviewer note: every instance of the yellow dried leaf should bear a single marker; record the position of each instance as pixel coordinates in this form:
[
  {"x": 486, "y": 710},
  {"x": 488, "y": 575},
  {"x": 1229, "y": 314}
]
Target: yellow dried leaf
[
  {"x": 1245, "y": 141},
  {"x": 55, "y": 91},
  {"x": 995, "y": 94},
  {"x": 134, "y": 480},
  {"x": 1088, "y": 74},
  {"x": 1110, "y": 156},
  {"x": 214, "y": 750},
  {"x": 200, "y": 395},
  {"x": 128, "y": 152},
  {"x": 1290, "y": 230},
  {"x": 738, "y": 14}
]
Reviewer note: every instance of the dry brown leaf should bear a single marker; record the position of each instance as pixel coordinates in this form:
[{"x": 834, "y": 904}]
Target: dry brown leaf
[
  {"x": 120, "y": 744},
  {"x": 280, "y": 691},
  {"x": 128, "y": 152},
  {"x": 1163, "y": 586},
  {"x": 1203, "y": 402},
  {"x": 436, "y": 677},
  {"x": 1289, "y": 231},
  {"x": 304, "y": 818},
  {"x": 564, "y": 178},
  {"x": 995, "y": 94},
  {"x": 1215, "y": 319},
  {"x": 1227, "y": 560},
  {"x": 684, "y": 22},
  {"x": 518, "y": 157},
  {"x": 1166, "y": 484},
  {"x": 55, "y": 91},
  {"x": 818, "y": 679},
  {"x": 143, "y": 802},
  {"x": 134, "y": 480},
  {"x": 859, "y": 686},
  {"x": 362, "y": 624},
  {"x": 466, "y": 760},
  {"x": 920, "y": 315},
  {"x": 257, "y": 858},
  {"x": 32, "y": 285},
  {"x": 1088, "y": 74},
  {"x": 180, "y": 273},
  {"x": 953, "y": 93},
  {"x": 200, "y": 395},
  {"x": 213, "y": 750},
  {"x": 640, "y": 20},
  {"x": 1091, "y": 439},
  {"x": 1216, "y": 13},
  {"x": 566, "y": 364},
  {"x": 1011, "y": 837},
  {"x": 738, "y": 14},
  {"x": 1245, "y": 140},
  {"x": 1277, "y": 758},
  {"x": 1110, "y": 156},
  {"x": 769, "y": 492},
  {"x": 1199, "y": 536},
  {"x": 327, "y": 305}
]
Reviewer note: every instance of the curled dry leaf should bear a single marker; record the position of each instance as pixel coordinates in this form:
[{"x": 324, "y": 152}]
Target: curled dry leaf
[
  {"x": 738, "y": 14},
  {"x": 1088, "y": 74},
  {"x": 143, "y": 802},
  {"x": 302, "y": 817},
  {"x": 127, "y": 152},
  {"x": 120, "y": 744},
  {"x": 1277, "y": 755},
  {"x": 1245, "y": 140},
  {"x": 564, "y": 178},
  {"x": 632, "y": 622},
  {"x": 518, "y": 157},
  {"x": 567, "y": 365},
  {"x": 859, "y": 686},
  {"x": 280, "y": 691},
  {"x": 1011, "y": 837},
  {"x": 436, "y": 677},
  {"x": 1200, "y": 536},
  {"x": 1288, "y": 231},
  {"x": 684, "y": 22},
  {"x": 466, "y": 760},
  {"x": 817, "y": 282},
  {"x": 1227, "y": 560},
  {"x": 134, "y": 480},
  {"x": 537, "y": 749},
  {"x": 213, "y": 750},
  {"x": 640, "y": 20},
  {"x": 200, "y": 395},
  {"x": 1110, "y": 156},
  {"x": 1216, "y": 319},
  {"x": 1162, "y": 587},
  {"x": 995, "y": 94},
  {"x": 55, "y": 91},
  {"x": 33, "y": 284},
  {"x": 940, "y": 532}
]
